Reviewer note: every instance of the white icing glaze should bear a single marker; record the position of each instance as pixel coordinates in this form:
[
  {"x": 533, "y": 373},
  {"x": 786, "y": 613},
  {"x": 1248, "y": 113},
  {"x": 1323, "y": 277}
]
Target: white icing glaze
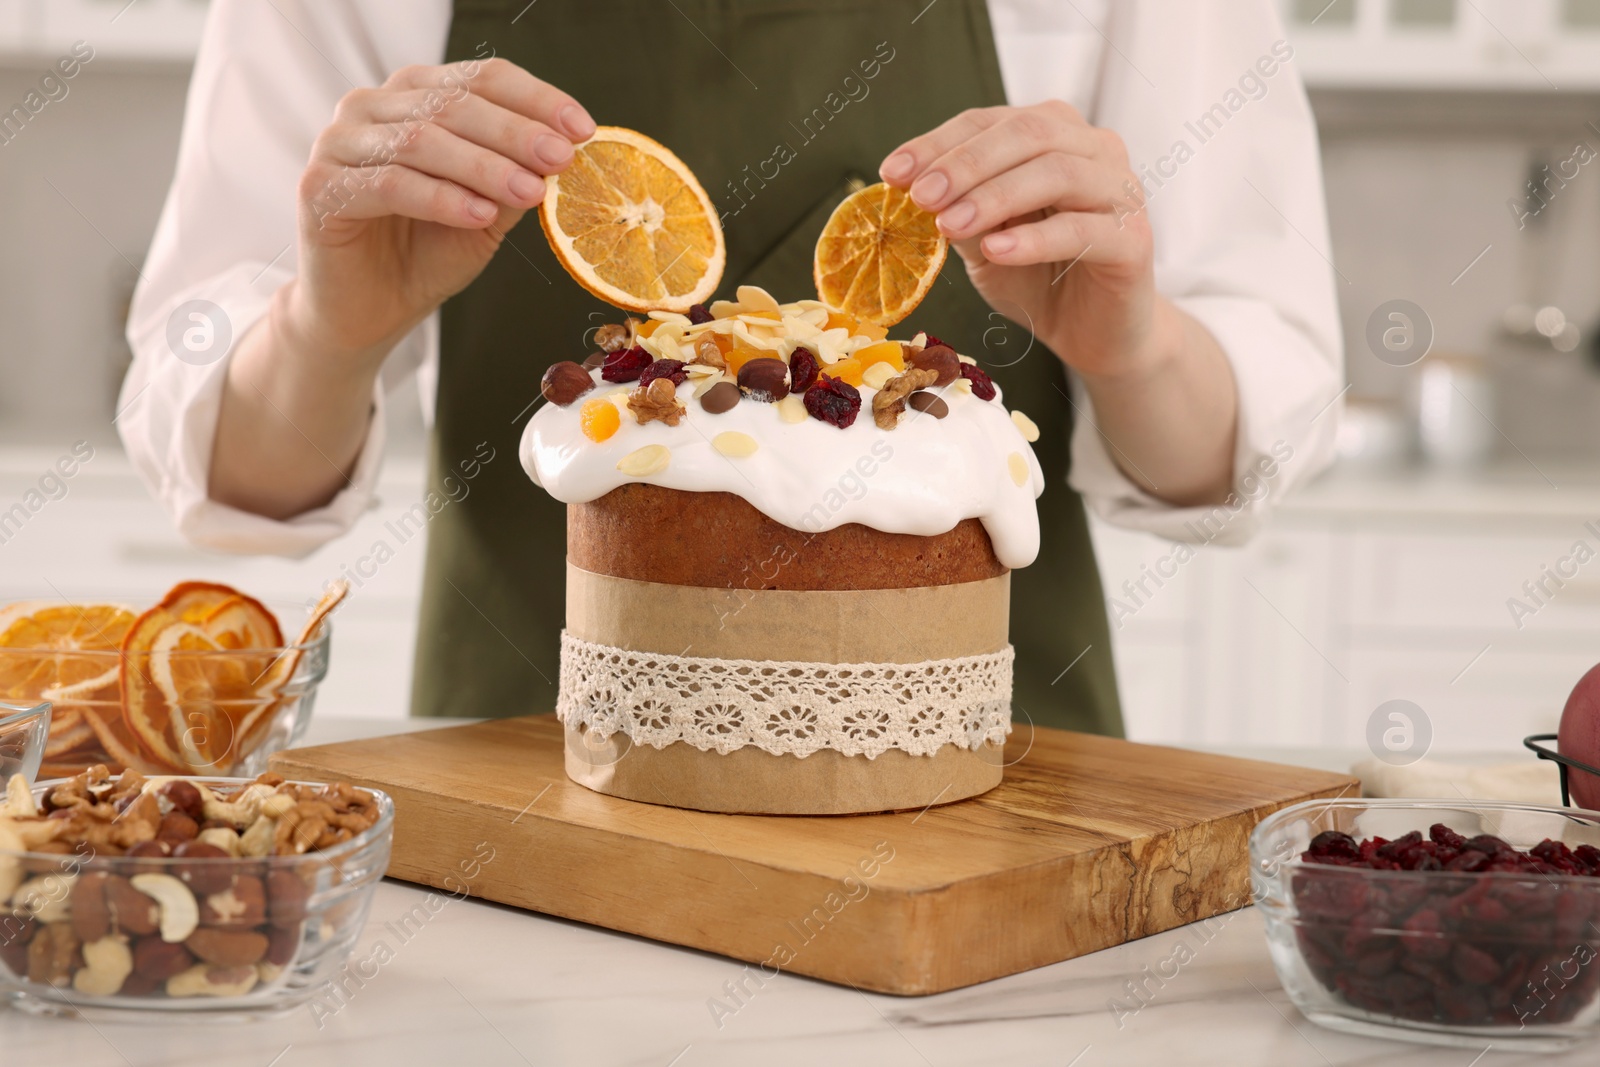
[{"x": 923, "y": 477}]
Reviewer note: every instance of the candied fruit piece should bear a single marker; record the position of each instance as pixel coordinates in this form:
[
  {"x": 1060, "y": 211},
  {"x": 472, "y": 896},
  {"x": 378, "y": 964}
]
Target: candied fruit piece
[
  {"x": 883, "y": 352},
  {"x": 647, "y": 327},
  {"x": 599, "y": 418},
  {"x": 833, "y": 401},
  {"x": 803, "y": 370},
  {"x": 671, "y": 369},
  {"x": 737, "y": 355},
  {"x": 625, "y": 365},
  {"x": 846, "y": 370}
]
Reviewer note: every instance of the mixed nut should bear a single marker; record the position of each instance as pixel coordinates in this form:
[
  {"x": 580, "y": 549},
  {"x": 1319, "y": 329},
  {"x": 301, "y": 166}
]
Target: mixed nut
[{"x": 210, "y": 914}]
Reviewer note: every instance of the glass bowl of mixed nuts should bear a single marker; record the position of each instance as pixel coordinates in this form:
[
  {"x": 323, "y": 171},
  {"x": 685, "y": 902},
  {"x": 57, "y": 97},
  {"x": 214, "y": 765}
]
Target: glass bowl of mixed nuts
[
  {"x": 224, "y": 896},
  {"x": 1466, "y": 923}
]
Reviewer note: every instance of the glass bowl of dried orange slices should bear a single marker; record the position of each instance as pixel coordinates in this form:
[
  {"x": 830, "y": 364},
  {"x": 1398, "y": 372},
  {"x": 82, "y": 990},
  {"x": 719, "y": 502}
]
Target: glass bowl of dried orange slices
[{"x": 204, "y": 681}]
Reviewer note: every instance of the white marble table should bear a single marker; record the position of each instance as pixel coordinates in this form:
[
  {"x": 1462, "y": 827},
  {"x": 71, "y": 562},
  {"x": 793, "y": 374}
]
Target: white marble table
[{"x": 482, "y": 984}]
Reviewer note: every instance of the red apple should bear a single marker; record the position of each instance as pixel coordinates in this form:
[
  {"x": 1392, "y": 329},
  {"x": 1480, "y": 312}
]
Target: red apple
[{"x": 1579, "y": 738}]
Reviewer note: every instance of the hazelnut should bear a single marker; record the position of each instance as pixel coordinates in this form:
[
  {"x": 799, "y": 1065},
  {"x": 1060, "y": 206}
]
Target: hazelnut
[
  {"x": 565, "y": 382},
  {"x": 176, "y": 826},
  {"x": 612, "y": 337},
  {"x": 132, "y": 912},
  {"x": 53, "y": 954},
  {"x": 137, "y": 985},
  {"x": 242, "y": 904},
  {"x": 210, "y": 876},
  {"x": 91, "y": 917},
  {"x": 227, "y": 948},
  {"x": 184, "y": 797},
  {"x": 765, "y": 379},
  {"x": 941, "y": 359},
  {"x": 287, "y": 895},
  {"x": 158, "y": 960}
]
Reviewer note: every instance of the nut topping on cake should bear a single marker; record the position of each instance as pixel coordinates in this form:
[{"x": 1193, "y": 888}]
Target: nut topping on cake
[
  {"x": 565, "y": 382},
  {"x": 890, "y": 401},
  {"x": 706, "y": 353},
  {"x": 612, "y": 337},
  {"x": 765, "y": 379},
  {"x": 656, "y": 401},
  {"x": 939, "y": 358}
]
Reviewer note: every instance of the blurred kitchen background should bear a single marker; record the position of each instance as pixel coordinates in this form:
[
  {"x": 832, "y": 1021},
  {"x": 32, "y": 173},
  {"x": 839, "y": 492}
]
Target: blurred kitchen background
[{"x": 1464, "y": 476}]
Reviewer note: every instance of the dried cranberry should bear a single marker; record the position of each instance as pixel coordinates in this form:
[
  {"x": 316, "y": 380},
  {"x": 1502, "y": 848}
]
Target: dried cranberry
[
  {"x": 803, "y": 370},
  {"x": 699, "y": 313},
  {"x": 982, "y": 384},
  {"x": 930, "y": 341},
  {"x": 625, "y": 364},
  {"x": 833, "y": 401},
  {"x": 671, "y": 369},
  {"x": 1332, "y": 843}
]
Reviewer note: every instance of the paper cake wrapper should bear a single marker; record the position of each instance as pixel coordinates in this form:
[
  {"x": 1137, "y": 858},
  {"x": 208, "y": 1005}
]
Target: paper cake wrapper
[{"x": 829, "y": 626}]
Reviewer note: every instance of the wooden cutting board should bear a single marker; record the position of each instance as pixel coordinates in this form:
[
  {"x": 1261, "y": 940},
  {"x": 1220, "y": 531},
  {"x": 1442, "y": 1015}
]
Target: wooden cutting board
[{"x": 1089, "y": 842}]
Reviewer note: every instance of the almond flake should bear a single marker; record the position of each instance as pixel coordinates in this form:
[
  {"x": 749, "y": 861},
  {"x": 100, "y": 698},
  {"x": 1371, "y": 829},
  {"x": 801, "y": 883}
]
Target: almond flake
[
  {"x": 705, "y": 384},
  {"x": 966, "y": 359},
  {"x": 755, "y": 298},
  {"x": 733, "y": 443},
  {"x": 723, "y": 309},
  {"x": 878, "y": 375},
  {"x": 792, "y": 408},
  {"x": 962, "y": 385},
  {"x": 653, "y": 459},
  {"x": 1018, "y": 465},
  {"x": 1029, "y": 428},
  {"x": 700, "y": 370},
  {"x": 670, "y": 316}
]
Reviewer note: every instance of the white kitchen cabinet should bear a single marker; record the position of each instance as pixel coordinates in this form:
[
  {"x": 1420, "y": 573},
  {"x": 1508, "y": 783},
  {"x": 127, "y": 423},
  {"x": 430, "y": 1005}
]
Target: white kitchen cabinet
[
  {"x": 1356, "y": 594},
  {"x": 1539, "y": 45}
]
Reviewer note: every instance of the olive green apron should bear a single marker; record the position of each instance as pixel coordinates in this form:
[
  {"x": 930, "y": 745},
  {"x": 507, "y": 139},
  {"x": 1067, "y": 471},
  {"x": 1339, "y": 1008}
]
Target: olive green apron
[{"x": 778, "y": 106}]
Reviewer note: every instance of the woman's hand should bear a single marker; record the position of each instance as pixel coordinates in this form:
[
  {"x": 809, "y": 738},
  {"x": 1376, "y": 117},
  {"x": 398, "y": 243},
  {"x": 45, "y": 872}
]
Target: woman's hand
[
  {"x": 411, "y": 189},
  {"x": 1049, "y": 218},
  {"x": 408, "y": 194},
  {"x": 1024, "y": 194}
]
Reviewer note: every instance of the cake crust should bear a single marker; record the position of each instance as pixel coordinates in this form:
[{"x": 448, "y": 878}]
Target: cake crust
[{"x": 653, "y": 534}]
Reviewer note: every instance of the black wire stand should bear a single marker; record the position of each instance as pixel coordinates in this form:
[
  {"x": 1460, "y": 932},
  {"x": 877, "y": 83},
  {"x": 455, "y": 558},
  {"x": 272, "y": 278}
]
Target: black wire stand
[{"x": 1566, "y": 763}]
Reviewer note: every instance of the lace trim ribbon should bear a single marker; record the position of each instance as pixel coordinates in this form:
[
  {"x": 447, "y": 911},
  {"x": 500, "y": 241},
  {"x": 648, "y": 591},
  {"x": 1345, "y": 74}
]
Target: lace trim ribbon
[{"x": 784, "y": 707}]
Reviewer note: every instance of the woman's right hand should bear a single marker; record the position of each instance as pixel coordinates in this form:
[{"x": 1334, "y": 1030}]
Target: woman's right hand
[{"x": 412, "y": 188}]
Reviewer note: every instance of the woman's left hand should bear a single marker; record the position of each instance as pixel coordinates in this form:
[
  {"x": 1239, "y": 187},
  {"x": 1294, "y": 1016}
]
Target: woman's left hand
[{"x": 1047, "y": 214}]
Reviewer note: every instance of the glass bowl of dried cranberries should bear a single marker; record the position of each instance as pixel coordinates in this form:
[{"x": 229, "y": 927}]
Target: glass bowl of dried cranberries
[{"x": 1457, "y": 923}]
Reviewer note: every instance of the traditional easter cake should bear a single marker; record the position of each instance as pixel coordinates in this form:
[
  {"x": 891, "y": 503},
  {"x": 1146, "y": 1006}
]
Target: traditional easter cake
[{"x": 789, "y": 546}]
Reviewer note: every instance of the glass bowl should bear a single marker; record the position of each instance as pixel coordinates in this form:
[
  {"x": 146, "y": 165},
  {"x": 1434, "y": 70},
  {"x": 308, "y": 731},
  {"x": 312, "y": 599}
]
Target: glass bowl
[
  {"x": 232, "y": 709},
  {"x": 307, "y": 909},
  {"x": 1437, "y": 956},
  {"x": 24, "y": 732}
]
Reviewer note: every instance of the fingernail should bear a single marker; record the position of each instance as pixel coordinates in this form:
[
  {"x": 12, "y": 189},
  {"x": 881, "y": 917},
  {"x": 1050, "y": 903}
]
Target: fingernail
[
  {"x": 930, "y": 189},
  {"x": 577, "y": 122},
  {"x": 553, "y": 150},
  {"x": 999, "y": 244},
  {"x": 958, "y": 217},
  {"x": 525, "y": 186},
  {"x": 896, "y": 167},
  {"x": 480, "y": 209}
]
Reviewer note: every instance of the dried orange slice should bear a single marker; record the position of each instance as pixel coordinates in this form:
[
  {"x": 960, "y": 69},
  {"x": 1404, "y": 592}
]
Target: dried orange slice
[
  {"x": 186, "y": 675},
  {"x": 45, "y": 640},
  {"x": 631, "y": 223},
  {"x": 878, "y": 255}
]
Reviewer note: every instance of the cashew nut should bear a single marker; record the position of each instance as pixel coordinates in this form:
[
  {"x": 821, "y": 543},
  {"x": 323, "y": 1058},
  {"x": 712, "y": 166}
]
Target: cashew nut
[
  {"x": 277, "y": 805},
  {"x": 242, "y": 810},
  {"x": 10, "y": 864},
  {"x": 106, "y": 965},
  {"x": 197, "y": 982},
  {"x": 180, "y": 914},
  {"x": 225, "y": 839},
  {"x": 258, "y": 840},
  {"x": 45, "y": 898},
  {"x": 19, "y": 798}
]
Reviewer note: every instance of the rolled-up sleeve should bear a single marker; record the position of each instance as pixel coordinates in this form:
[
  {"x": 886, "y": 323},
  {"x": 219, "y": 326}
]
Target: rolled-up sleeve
[
  {"x": 1207, "y": 97},
  {"x": 266, "y": 81}
]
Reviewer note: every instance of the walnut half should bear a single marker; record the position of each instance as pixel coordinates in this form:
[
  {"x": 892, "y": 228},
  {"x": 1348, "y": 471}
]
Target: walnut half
[{"x": 890, "y": 401}]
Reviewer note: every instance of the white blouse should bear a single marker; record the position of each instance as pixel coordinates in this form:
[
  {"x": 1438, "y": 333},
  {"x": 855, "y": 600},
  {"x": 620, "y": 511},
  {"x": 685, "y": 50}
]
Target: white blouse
[{"x": 1216, "y": 123}]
